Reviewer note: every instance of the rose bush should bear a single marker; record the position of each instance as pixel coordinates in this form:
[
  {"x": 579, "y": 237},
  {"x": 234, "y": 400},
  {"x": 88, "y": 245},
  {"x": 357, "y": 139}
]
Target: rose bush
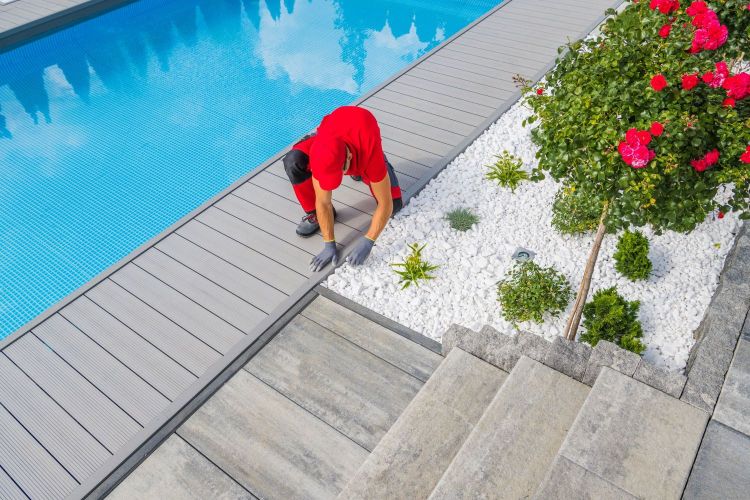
[
  {"x": 650, "y": 119},
  {"x": 659, "y": 63}
]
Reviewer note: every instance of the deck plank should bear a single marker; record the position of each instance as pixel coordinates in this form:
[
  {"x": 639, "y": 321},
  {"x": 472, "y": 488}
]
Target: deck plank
[
  {"x": 210, "y": 328},
  {"x": 242, "y": 257},
  {"x": 412, "y": 137},
  {"x": 9, "y": 490},
  {"x": 201, "y": 290},
  {"x": 438, "y": 97},
  {"x": 257, "y": 239},
  {"x": 129, "y": 391},
  {"x": 80, "y": 398},
  {"x": 151, "y": 364},
  {"x": 186, "y": 349},
  {"x": 31, "y": 466},
  {"x": 63, "y": 437},
  {"x": 411, "y": 124},
  {"x": 417, "y": 80},
  {"x": 457, "y": 123}
]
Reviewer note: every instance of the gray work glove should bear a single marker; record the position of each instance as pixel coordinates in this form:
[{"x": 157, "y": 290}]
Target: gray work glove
[
  {"x": 329, "y": 254},
  {"x": 361, "y": 251}
]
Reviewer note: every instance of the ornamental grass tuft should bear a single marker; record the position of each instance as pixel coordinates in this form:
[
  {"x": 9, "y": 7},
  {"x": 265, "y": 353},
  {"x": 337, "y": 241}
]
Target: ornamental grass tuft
[
  {"x": 414, "y": 269},
  {"x": 461, "y": 219}
]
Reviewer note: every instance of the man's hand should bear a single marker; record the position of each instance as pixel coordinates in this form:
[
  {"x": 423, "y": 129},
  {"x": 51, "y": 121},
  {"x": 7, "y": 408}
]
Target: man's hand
[
  {"x": 329, "y": 254},
  {"x": 361, "y": 251}
]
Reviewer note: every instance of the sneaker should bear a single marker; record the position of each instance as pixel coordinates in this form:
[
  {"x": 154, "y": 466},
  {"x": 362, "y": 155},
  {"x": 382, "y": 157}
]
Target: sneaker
[{"x": 309, "y": 224}]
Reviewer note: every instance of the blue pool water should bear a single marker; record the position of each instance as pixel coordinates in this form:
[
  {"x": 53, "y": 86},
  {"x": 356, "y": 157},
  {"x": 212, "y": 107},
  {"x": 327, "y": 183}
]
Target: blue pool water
[{"x": 112, "y": 129}]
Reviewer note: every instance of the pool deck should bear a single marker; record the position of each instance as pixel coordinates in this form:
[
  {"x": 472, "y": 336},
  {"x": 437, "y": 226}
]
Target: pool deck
[{"x": 93, "y": 385}]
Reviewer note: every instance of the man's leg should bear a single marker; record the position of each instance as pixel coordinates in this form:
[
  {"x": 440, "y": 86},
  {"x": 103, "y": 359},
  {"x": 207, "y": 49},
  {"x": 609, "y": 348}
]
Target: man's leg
[
  {"x": 296, "y": 166},
  {"x": 396, "y": 194}
]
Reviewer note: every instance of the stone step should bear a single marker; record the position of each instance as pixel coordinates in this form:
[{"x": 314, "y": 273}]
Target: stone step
[
  {"x": 513, "y": 444},
  {"x": 411, "y": 458},
  {"x": 628, "y": 441}
]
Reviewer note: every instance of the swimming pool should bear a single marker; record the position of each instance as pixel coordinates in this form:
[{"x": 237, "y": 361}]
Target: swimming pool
[{"x": 114, "y": 128}]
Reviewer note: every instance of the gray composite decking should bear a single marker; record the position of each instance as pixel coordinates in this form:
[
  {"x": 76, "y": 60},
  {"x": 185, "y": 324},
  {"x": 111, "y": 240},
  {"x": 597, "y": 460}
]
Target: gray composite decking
[{"x": 111, "y": 367}]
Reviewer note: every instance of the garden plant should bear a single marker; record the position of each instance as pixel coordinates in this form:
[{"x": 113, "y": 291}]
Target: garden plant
[
  {"x": 631, "y": 256},
  {"x": 507, "y": 171},
  {"x": 610, "y": 317},
  {"x": 461, "y": 219},
  {"x": 529, "y": 291},
  {"x": 414, "y": 268},
  {"x": 650, "y": 119}
]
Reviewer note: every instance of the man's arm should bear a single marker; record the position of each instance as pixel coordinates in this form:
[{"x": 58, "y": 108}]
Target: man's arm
[
  {"x": 382, "y": 192},
  {"x": 324, "y": 210}
]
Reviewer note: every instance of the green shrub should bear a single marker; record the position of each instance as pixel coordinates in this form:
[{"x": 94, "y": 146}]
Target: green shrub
[
  {"x": 529, "y": 290},
  {"x": 574, "y": 212},
  {"x": 461, "y": 219},
  {"x": 631, "y": 256},
  {"x": 507, "y": 171},
  {"x": 414, "y": 268},
  {"x": 610, "y": 317}
]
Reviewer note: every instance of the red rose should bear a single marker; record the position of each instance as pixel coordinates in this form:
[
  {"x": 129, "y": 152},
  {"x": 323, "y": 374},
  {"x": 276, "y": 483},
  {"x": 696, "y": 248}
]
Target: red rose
[
  {"x": 721, "y": 214},
  {"x": 737, "y": 86},
  {"x": 699, "y": 165},
  {"x": 689, "y": 82},
  {"x": 712, "y": 157},
  {"x": 664, "y": 6},
  {"x": 696, "y": 8},
  {"x": 633, "y": 149},
  {"x": 658, "y": 82},
  {"x": 656, "y": 129},
  {"x": 745, "y": 157},
  {"x": 728, "y": 102},
  {"x": 664, "y": 30},
  {"x": 540, "y": 91},
  {"x": 708, "y": 77}
]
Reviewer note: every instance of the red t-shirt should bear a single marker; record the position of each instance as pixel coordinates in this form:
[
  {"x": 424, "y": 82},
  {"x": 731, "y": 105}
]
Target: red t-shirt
[{"x": 358, "y": 128}]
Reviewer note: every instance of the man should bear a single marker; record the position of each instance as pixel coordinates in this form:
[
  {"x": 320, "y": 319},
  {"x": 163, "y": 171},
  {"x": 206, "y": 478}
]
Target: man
[{"x": 347, "y": 142}]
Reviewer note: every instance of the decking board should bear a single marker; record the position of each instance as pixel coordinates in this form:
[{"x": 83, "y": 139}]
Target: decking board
[{"x": 113, "y": 357}]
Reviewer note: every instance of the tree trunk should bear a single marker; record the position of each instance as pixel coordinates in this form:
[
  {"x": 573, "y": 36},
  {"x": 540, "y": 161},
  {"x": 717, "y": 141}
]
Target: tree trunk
[{"x": 575, "y": 316}]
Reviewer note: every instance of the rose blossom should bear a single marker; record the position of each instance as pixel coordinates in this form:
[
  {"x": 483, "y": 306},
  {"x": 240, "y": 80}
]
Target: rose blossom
[
  {"x": 656, "y": 129},
  {"x": 745, "y": 157},
  {"x": 737, "y": 86},
  {"x": 658, "y": 82},
  {"x": 689, "y": 81},
  {"x": 665, "y": 30},
  {"x": 633, "y": 149}
]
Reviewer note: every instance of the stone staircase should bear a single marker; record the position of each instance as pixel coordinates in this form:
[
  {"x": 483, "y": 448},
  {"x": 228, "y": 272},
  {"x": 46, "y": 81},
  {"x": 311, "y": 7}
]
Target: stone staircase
[{"x": 520, "y": 417}]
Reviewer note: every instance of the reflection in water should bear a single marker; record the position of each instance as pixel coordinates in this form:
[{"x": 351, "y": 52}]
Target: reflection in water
[{"x": 112, "y": 129}]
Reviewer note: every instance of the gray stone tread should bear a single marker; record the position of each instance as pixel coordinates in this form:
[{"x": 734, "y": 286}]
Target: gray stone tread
[
  {"x": 269, "y": 444},
  {"x": 720, "y": 470},
  {"x": 410, "y": 459},
  {"x": 82, "y": 400},
  {"x": 56, "y": 431},
  {"x": 382, "y": 342},
  {"x": 177, "y": 470},
  {"x": 347, "y": 387},
  {"x": 512, "y": 446},
  {"x": 566, "y": 480},
  {"x": 733, "y": 408},
  {"x": 179, "y": 308},
  {"x": 659, "y": 430},
  {"x": 117, "y": 381}
]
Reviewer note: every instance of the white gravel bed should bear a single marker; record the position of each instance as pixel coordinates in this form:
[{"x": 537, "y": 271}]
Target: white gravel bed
[{"x": 673, "y": 300}]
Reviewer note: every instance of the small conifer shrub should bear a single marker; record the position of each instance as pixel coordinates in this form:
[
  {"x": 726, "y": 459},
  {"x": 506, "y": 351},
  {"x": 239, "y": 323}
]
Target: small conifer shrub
[
  {"x": 610, "y": 317},
  {"x": 631, "y": 256}
]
